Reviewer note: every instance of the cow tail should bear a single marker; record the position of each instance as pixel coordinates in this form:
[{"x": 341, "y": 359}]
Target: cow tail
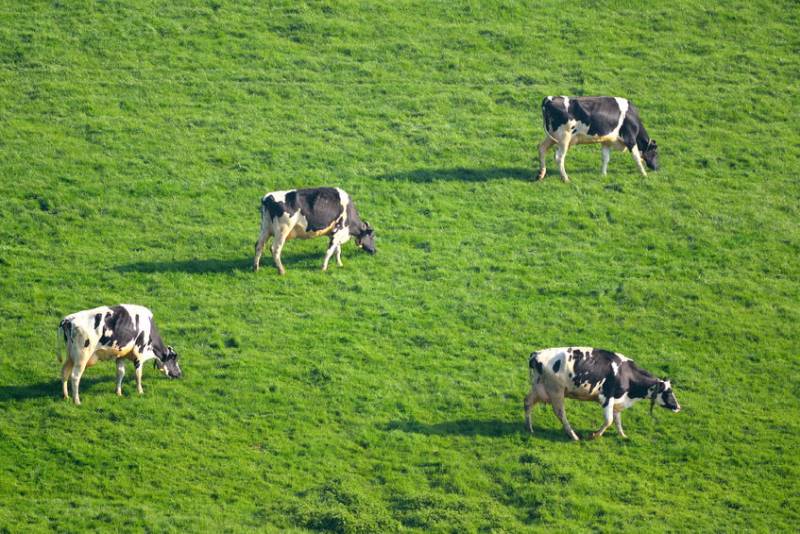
[
  {"x": 546, "y": 121},
  {"x": 532, "y": 371},
  {"x": 60, "y": 336}
]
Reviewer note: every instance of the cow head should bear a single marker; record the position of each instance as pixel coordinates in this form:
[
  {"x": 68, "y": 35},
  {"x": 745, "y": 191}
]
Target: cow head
[
  {"x": 650, "y": 155},
  {"x": 366, "y": 239},
  {"x": 168, "y": 364},
  {"x": 661, "y": 394}
]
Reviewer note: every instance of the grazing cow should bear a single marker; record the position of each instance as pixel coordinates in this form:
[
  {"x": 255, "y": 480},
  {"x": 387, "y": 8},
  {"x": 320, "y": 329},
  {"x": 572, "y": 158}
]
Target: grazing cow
[
  {"x": 126, "y": 331},
  {"x": 307, "y": 213},
  {"x": 586, "y": 373},
  {"x": 611, "y": 121}
]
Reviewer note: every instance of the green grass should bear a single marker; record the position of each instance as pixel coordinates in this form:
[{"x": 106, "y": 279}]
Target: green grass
[{"x": 387, "y": 395}]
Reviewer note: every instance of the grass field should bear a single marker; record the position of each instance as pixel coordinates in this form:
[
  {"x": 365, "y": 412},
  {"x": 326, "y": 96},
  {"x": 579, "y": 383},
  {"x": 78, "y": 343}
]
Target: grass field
[{"x": 387, "y": 394}]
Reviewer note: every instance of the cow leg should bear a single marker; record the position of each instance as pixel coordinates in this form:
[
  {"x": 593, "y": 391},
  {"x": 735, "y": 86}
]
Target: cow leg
[
  {"x": 65, "y": 372},
  {"x": 561, "y": 155},
  {"x": 606, "y": 155},
  {"x": 77, "y": 373},
  {"x": 120, "y": 375},
  {"x": 339, "y": 238},
  {"x": 618, "y": 422},
  {"x": 138, "y": 373},
  {"x": 328, "y": 253},
  {"x": 536, "y": 395},
  {"x": 339, "y": 256},
  {"x": 277, "y": 246},
  {"x": 608, "y": 414},
  {"x": 637, "y": 157},
  {"x": 557, "y": 400},
  {"x": 544, "y": 146},
  {"x": 262, "y": 240},
  {"x": 530, "y": 401}
]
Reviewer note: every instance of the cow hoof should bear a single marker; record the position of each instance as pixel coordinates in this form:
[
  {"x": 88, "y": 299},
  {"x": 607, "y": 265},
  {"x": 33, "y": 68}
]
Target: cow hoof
[
  {"x": 541, "y": 174},
  {"x": 119, "y": 393},
  {"x": 565, "y": 179},
  {"x": 595, "y": 435}
]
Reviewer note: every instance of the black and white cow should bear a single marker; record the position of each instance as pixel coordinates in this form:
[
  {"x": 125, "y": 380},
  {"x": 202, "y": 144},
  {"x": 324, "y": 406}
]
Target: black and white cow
[
  {"x": 586, "y": 373},
  {"x": 126, "y": 331},
  {"x": 307, "y": 213},
  {"x": 611, "y": 121}
]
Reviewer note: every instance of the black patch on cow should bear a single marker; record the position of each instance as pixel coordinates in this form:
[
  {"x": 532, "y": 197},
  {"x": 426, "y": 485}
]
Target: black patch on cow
[
  {"x": 591, "y": 368},
  {"x": 137, "y": 321},
  {"x": 557, "y": 366},
  {"x": 534, "y": 363},
  {"x": 273, "y": 207},
  {"x": 66, "y": 329},
  {"x": 601, "y": 113},
  {"x": 554, "y": 113},
  {"x": 136, "y": 364},
  {"x": 140, "y": 340},
  {"x": 633, "y": 132},
  {"x": 159, "y": 349},
  {"x": 118, "y": 328},
  {"x": 320, "y": 206},
  {"x": 97, "y": 320},
  {"x": 86, "y": 343},
  {"x": 630, "y": 379},
  {"x": 638, "y": 380}
]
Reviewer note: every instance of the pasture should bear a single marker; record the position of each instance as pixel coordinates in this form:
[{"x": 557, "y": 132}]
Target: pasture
[{"x": 387, "y": 394}]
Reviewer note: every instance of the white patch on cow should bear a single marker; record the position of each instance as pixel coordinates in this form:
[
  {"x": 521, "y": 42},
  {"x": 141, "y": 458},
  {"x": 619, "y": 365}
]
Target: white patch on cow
[
  {"x": 566, "y": 103},
  {"x": 344, "y": 200},
  {"x": 624, "y": 402},
  {"x": 623, "y": 110},
  {"x": 615, "y": 368}
]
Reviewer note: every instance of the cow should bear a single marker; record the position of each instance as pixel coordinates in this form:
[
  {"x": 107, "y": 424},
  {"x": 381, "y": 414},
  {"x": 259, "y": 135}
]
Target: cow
[
  {"x": 587, "y": 373},
  {"x": 611, "y": 121},
  {"x": 119, "y": 333},
  {"x": 307, "y": 213}
]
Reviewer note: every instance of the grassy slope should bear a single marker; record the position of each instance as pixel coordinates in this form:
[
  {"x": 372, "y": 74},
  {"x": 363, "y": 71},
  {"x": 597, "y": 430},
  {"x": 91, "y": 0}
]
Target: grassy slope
[{"x": 136, "y": 142}]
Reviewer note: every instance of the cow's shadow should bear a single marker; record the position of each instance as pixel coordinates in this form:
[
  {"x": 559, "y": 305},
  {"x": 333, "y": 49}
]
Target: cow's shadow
[
  {"x": 475, "y": 427},
  {"x": 218, "y": 265},
  {"x": 464, "y": 174},
  {"x": 50, "y": 388},
  {"x": 461, "y": 174}
]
